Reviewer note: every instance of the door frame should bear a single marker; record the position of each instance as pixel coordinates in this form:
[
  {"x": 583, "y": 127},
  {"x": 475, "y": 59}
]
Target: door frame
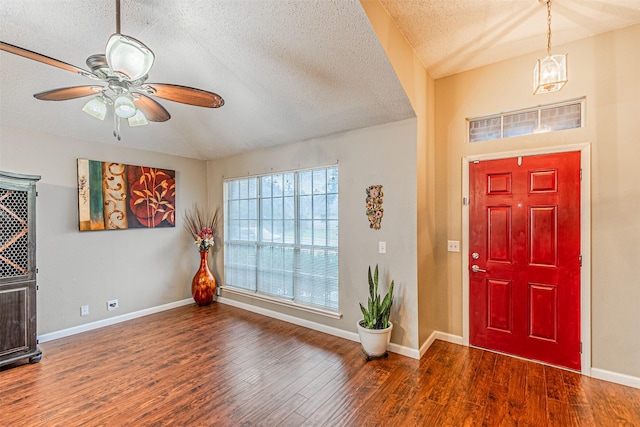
[{"x": 585, "y": 237}]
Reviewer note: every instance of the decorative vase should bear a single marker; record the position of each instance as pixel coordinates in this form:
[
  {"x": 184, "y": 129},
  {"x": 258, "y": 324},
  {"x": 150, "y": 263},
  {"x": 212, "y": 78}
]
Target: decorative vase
[
  {"x": 374, "y": 341},
  {"x": 203, "y": 285}
]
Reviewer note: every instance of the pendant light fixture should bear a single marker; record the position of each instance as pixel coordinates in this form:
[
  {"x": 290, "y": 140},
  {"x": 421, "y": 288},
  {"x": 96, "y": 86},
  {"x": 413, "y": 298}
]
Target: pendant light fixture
[{"x": 550, "y": 74}]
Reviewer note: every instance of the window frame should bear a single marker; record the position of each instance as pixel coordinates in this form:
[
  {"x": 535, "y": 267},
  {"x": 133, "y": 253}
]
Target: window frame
[
  {"x": 254, "y": 267},
  {"x": 537, "y": 109}
]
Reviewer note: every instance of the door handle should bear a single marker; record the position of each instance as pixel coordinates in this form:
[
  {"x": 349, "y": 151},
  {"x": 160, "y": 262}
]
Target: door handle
[{"x": 477, "y": 269}]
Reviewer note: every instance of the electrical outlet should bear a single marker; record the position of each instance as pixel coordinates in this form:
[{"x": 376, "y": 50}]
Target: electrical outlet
[
  {"x": 453, "y": 246},
  {"x": 112, "y": 304},
  {"x": 84, "y": 310}
]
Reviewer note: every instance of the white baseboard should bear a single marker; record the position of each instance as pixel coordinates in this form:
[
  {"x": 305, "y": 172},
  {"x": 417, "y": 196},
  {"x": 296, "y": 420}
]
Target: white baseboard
[
  {"x": 600, "y": 374},
  {"x": 403, "y": 350},
  {"x": 615, "y": 377},
  {"x": 453, "y": 339},
  {"x": 112, "y": 320},
  {"x": 442, "y": 336},
  {"x": 425, "y": 346},
  {"x": 353, "y": 336}
]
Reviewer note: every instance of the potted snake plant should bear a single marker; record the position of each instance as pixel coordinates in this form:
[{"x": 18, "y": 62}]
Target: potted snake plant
[{"x": 375, "y": 328}]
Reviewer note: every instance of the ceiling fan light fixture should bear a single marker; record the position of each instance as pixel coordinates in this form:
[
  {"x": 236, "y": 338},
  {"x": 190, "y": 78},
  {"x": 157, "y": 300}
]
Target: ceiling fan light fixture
[
  {"x": 123, "y": 70},
  {"x": 123, "y": 107},
  {"x": 96, "y": 107},
  {"x": 550, "y": 73},
  {"x": 138, "y": 119},
  {"x": 128, "y": 57}
]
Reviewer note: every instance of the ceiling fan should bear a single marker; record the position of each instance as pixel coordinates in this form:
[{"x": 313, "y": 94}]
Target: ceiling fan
[{"x": 122, "y": 71}]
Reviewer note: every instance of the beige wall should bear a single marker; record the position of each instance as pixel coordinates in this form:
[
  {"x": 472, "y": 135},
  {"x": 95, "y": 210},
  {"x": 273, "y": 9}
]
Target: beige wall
[
  {"x": 605, "y": 69},
  {"x": 142, "y": 268},
  {"x": 377, "y": 155},
  {"x": 419, "y": 87}
]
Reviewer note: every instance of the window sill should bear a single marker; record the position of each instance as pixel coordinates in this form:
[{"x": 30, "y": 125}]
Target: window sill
[{"x": 284, "y": 303}]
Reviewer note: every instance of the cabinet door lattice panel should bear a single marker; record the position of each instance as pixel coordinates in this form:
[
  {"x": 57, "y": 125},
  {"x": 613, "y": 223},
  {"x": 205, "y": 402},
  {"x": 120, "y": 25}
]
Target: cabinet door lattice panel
[{"x": 14, "y": 233}]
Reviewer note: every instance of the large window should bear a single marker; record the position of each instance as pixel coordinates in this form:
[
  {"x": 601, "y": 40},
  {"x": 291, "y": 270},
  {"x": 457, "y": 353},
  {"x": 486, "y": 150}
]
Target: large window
[{"x": 281, "y": 236}]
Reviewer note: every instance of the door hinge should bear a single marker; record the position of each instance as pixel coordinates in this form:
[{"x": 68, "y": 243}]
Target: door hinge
[
  {"x": 37, "y": 271},
  {"x": 465, "y": 201},
  {"x": 580, "y": 174},
  {"x": 580, "y": 259},
  {"x": 580, "y": 347}
]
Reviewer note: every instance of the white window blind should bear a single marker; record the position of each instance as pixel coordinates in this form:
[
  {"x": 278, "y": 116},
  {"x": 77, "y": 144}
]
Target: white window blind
[{"x": 281, "y": 236}]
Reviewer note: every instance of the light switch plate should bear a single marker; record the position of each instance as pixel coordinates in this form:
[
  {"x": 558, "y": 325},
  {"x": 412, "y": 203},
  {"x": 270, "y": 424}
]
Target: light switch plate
[{"x": 382, "y": 247}]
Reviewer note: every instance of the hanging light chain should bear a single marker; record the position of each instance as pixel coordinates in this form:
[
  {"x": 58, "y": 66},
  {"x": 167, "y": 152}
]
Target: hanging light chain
[
  {"x": 549, "y": 27},
  {"x": 117, "y": 16}
]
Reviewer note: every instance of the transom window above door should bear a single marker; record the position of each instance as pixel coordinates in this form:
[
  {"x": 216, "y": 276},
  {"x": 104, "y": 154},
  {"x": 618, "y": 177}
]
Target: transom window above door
[{"x": 527, "y": 121}]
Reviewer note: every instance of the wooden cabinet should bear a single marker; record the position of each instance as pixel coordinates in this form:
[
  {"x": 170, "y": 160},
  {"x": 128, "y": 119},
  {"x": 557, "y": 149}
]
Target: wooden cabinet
[{"x": 18, "y": 268}]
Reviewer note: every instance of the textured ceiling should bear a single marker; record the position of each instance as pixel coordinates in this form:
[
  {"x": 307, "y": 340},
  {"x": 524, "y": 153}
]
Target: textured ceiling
[
  {"x": 289, "y": 70},
  {"x": 451, "y": 36}
]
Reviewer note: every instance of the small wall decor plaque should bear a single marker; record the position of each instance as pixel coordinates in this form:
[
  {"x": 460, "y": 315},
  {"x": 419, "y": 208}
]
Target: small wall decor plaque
[
  {"x": 117, "y": 196},
  {"x": 374, "y": 206}
]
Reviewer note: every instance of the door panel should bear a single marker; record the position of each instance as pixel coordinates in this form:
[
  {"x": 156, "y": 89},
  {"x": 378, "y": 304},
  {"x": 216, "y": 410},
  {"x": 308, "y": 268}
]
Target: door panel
[
  {"x": 499, "y": 233},
  {"x": 543, "y": 236},
  {"x": 543, "y": 315},
  {"x": 543, "y": 181},
  {"x": 499, "y": 305},
  {"x": 524, "y": 223},
  {"x": 499, "y": 183}
]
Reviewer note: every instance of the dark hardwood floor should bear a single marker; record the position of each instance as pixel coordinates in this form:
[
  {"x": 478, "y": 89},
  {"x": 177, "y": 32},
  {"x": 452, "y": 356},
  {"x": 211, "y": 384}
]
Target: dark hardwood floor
[{"x": 219, "y": 365}]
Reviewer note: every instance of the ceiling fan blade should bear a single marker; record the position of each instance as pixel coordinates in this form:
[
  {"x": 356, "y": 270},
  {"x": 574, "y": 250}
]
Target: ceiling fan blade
[
  {"x": 42, "y": 58},
  {"x": 186, "y": 95},
  {"x": 152, "y": 110},
  {"x": 66, "y": 93}
]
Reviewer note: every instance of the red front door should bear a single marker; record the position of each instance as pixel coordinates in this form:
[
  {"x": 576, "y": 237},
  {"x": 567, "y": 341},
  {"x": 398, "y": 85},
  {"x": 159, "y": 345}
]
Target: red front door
[{"x": 524, "y": 258}]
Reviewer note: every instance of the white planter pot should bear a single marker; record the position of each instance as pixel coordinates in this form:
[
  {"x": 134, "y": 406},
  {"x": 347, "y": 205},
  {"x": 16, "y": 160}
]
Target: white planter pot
[{"x": 375, "y": 341}]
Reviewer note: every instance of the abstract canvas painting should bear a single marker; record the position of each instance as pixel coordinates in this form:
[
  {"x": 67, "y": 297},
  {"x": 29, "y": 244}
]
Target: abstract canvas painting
[{"x": 114, "y": 196}]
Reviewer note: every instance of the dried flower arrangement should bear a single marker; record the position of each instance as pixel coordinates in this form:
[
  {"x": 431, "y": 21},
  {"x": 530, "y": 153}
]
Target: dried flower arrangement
[{"x": 203, "y": 226}]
